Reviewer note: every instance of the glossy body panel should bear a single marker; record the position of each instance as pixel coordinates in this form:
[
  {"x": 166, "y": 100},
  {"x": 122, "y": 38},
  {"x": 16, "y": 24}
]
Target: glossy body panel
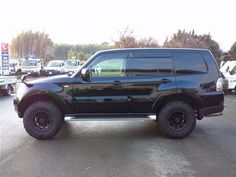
[
  {"x": 101, "y": 95},
  {"x": 127, "y": 93}
]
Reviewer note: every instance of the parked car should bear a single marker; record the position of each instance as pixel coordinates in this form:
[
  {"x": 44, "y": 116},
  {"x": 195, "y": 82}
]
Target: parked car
[
  {"x": 32, "y": 66},
  {"x": 178, "y": 86},
  {"x": 71, "y": 66},
  {"x": 229, "y": 71},
  {"x": 14, "y": 66},
  {"x": 225, "y": 83},
  {"x": 54, "y": 67}
]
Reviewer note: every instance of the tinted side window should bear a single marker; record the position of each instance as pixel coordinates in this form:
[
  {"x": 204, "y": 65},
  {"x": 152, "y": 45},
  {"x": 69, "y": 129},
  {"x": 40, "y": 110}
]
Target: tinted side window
[
  {"x": 189, "y": 63},
  {"x": 108, "y": 65},
  {"x": 165, "y": 66},
  {"x": 143, "y": 66}
]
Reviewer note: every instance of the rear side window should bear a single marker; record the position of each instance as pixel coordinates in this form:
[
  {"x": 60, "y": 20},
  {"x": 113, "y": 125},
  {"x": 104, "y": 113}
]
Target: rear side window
[
  {"x": 189, "y": 63},
  {"x": 165, "y": 66},
  {"x": 143, "y": 66},
  {"x": 150, "y": 66}
]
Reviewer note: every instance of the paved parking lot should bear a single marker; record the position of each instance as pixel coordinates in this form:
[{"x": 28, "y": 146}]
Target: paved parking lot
[{"x": 120, "y": 148}]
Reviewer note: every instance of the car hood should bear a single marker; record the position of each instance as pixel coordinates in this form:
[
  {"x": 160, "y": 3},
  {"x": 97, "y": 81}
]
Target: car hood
[
  {"x": 28, "y": 67},
  {"x": 51, "y": 68},
  {"x": 53, "y": 79}
]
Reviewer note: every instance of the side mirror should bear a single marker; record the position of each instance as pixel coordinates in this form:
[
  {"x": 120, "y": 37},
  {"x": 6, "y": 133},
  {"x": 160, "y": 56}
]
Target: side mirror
[
  {"x": 23, "y": 78},
  {"x": 85, "y": 74}
]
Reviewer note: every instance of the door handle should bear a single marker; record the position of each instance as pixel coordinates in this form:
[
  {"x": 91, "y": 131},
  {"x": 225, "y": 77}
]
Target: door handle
[
  {"x": 165, "y": 80},
  {"x": 116, "y": 82}
]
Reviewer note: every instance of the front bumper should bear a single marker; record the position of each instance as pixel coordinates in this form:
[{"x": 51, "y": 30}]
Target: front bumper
[
  {"x": 16, "y": 106},
  {"x": 51, "y": 72}
]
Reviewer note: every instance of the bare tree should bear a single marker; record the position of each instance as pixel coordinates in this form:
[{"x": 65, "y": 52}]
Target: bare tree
[
  {"x": 32, "y": 44},
  {"x": 148, "y": 43},
  {"x": 127, "y": 40},
  {"x": 183, "y": 39}
]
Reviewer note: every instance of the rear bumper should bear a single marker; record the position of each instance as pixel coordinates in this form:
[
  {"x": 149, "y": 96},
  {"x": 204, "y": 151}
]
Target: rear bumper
[{"x": 208, "y": 111}]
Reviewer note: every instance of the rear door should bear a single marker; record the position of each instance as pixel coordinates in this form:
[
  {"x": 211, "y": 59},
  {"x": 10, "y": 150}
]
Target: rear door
[{"x": 150, "y": 75}]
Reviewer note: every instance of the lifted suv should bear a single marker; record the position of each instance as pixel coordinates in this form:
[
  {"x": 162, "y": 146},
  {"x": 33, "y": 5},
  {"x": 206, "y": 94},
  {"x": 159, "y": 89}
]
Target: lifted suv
[{"x": 177, "y": 85}]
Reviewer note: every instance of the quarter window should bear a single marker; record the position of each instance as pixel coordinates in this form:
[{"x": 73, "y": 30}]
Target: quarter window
[{"x": 189, "y": 63}]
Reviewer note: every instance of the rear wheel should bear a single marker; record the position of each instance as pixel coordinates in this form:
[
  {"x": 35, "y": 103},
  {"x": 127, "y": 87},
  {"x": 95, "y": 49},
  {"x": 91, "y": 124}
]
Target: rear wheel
[
  {"x": 176, "y": 119},
  {"x": 43, "y": 120}
]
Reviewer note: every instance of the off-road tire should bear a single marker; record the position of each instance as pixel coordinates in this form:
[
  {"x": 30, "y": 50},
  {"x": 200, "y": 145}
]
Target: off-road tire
[
  {"x": 52, "y": 116},
  {"x": 176, "y": 119}
]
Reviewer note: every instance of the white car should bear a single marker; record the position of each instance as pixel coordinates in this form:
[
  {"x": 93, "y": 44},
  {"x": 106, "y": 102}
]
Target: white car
[
  {"x": 71, "y": 66},
  {"x": 229, "y": 70},
  {"x": 14, "y": 66},
  {"x": 32, "y": 66},
  {"x": 55, "y": 67}
]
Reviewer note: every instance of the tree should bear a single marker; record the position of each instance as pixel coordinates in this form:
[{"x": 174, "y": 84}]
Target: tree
[
  {"x": 61, "y": 51},
  {"x": 148, "y": 43},
  {"x": 212, "y": 45},
  {"x": 127, "y": 40},
  {"x": 232, "y": 51},
  {"x": 183, "y": 39},
  {"x": 81, "y": 52},
  {"x": 28, "y": 44},
  {"x": 72, "y": 54}
]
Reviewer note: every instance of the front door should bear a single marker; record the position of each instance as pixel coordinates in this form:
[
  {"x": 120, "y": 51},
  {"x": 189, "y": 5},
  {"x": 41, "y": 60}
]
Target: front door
[{"x": 105, "y": 92}]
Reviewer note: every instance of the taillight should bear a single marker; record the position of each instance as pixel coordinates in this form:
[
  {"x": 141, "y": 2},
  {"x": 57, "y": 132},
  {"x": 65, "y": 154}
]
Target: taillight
[{"x": 219, "y": 84}]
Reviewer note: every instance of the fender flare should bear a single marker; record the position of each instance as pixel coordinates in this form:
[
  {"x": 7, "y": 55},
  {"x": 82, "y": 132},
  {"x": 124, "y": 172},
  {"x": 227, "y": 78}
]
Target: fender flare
[
  {"x": 189, "y": 95},
  {"x": 37, "y": 95}
]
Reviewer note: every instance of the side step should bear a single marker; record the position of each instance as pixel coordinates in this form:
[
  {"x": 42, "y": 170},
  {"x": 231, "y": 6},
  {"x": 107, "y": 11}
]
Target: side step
[
  {"x": 109, "y": 117},
  {"x": 215, "y": 114}
]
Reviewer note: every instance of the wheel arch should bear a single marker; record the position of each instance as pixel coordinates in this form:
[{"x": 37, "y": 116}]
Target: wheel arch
[
  {"x": 28, "y": 100},
  {"x": 194, "y": 101}
]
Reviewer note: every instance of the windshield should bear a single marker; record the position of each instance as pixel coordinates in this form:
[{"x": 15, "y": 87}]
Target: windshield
[
  {"x": 30, "y": 63},
  {"x": 54, "y": 64},
  {"x": 70, "y": 63}
]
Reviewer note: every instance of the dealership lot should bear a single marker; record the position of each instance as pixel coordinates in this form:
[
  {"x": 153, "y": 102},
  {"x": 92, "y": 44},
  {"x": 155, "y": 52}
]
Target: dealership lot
[{"x": 119, "y": 148}]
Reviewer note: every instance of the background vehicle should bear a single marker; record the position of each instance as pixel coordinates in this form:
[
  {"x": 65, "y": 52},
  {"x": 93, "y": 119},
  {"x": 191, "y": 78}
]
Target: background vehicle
[
  {"x": 6, "y": 82},
  {"x": 71, "y": 66},
  {"x": 32, "y": 66},
  {"x": 225, "y": 83},
  {"x": 229, "y": 71},
  {"x": 178, "y": 86},
  {"x": 14, "y": 66},
  {"x": 54, "y": 67}
]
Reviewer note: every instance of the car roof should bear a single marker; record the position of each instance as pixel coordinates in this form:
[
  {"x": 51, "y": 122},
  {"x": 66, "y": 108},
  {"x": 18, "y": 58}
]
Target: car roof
[
  {"x": 154, "y": 50},
  {"x": 56, "y": 61},
  {"x": 36, "y": 59},
  {"x": 71, "y": 60}
]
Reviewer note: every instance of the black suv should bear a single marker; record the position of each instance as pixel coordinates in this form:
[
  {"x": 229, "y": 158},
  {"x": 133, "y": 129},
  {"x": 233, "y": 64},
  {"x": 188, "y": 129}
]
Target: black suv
[{"x": 178, "y": 86}]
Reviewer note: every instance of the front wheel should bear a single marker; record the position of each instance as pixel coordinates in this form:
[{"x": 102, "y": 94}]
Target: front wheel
[
  {"x": 176, "y": 119},
  {"x": 43, "y": 120}
]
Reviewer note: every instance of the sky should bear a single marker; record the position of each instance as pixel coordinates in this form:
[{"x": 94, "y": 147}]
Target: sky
[{"x": 97, "y": 21}]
